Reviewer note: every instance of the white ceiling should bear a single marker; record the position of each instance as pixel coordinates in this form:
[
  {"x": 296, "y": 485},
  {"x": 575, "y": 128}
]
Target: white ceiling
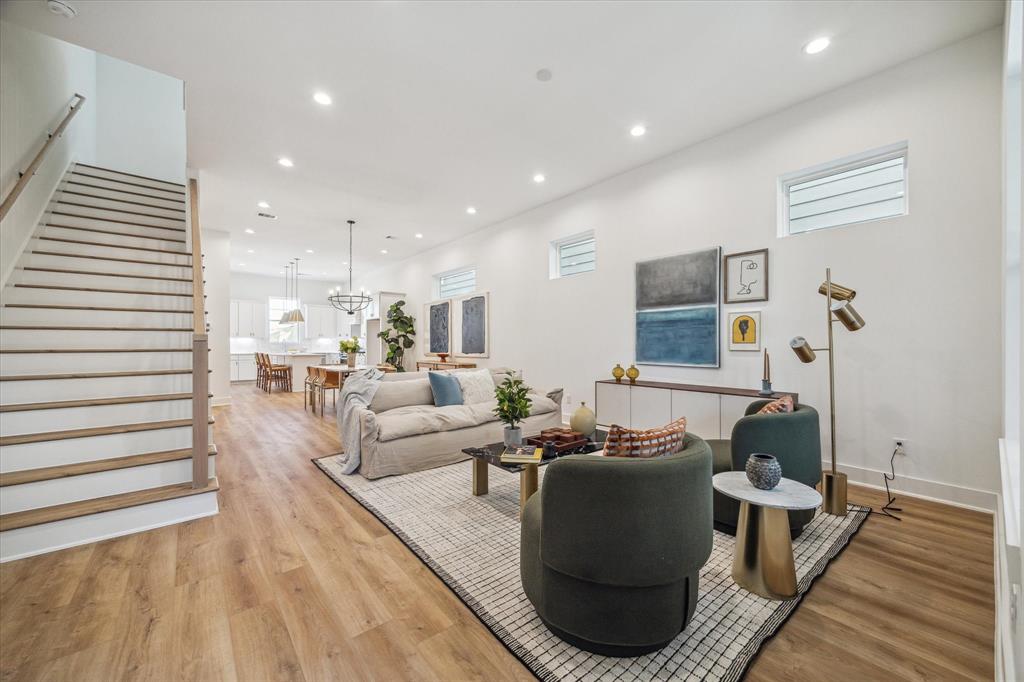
[{"x": 437, "y": 107}]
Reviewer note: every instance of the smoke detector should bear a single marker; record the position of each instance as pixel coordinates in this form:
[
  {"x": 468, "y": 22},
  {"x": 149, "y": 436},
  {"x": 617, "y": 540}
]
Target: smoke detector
[{"x": 61, "y": 8}]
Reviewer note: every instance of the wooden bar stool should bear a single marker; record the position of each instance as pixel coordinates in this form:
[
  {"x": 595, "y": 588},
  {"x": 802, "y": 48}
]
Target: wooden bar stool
[
  {"x": 279, "y": 375},
  {"x": 328, "y": 382},
  {"x": 309, "y": 388}
]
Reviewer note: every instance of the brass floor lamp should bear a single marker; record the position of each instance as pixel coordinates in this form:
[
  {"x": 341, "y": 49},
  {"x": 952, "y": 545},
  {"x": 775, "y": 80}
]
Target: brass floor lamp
[{"x": 837, "y": 308}]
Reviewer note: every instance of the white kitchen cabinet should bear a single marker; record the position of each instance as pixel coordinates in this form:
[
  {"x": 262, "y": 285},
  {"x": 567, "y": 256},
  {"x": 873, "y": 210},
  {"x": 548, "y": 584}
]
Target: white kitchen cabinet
[
  {"x": 248, "y": 319},
  {"x": 321, "y": 322},
  {"x": 243, "y": 368}
]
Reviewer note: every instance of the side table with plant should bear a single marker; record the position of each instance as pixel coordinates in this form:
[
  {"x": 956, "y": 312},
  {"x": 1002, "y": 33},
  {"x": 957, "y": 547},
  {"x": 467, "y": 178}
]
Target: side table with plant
[{"x": 513, "y": 407}]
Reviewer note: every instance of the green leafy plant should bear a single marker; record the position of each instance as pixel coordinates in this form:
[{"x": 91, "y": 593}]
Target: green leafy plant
[
  {"x": 400, "y": 336},
  {"x": 513, "y": 401},
  {"x": 349, "y": 345}
]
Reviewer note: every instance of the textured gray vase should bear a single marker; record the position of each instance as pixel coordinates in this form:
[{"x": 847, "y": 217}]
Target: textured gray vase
[
  {"x": 763, "y": 471},
  {"x": 513, "y": 437}
]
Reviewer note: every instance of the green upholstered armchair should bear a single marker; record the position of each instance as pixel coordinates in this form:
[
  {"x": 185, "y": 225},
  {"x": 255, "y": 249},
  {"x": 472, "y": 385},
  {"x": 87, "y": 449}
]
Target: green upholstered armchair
[
  {"x": 612, "y": 547},
  {"x": 794, "y": 439}
]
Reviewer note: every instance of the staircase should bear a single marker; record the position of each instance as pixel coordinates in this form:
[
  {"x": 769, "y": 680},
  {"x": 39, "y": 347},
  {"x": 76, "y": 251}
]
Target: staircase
[{"x": 96, "y": 369}]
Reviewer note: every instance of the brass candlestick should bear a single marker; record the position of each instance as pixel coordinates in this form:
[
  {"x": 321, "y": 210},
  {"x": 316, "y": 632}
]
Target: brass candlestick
[{"x": 837, "y": 309}]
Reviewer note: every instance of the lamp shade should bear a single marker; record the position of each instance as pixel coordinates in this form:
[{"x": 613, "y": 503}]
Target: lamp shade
[
  {"x": 845, "y": 313},
  {"x": 802, "y": 349},
  {"x": 839, "y": 292}
]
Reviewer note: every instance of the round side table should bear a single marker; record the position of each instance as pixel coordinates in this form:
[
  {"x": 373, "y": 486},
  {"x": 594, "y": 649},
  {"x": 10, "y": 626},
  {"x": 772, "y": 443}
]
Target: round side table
[{"x": 763, "y": 563}]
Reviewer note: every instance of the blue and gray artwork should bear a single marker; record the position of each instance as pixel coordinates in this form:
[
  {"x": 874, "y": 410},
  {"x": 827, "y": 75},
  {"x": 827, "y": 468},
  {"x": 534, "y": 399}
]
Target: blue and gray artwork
[
  {"x": 474, "y": 326},
  {"x": 683, "y": 336},
  {"x": 440, "y": 324}
]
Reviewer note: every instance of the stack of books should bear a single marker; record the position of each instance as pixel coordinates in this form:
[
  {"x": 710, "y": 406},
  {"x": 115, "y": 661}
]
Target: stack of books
[{"x": 522, "y": 454}]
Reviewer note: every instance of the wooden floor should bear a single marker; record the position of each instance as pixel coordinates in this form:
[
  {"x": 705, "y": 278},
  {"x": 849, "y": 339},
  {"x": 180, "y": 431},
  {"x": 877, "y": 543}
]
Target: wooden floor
[{"x": 294, "y": 580}]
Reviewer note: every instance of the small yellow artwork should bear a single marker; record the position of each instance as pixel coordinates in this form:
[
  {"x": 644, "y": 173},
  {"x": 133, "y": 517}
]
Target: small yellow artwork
[{"x": 745, "y": 331}]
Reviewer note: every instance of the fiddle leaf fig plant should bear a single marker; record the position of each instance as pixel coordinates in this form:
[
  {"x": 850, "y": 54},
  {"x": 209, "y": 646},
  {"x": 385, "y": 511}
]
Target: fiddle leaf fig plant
[
  {"x": 400, "y": 335},
  {"x": 513, "y": 402}
]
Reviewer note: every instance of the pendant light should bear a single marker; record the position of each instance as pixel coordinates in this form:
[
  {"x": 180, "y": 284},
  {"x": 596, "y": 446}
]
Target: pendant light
[
  {"x": 350, "y": 302},
  {"x": 294, "y": 316},
  {"x": 287, "y": 285}
]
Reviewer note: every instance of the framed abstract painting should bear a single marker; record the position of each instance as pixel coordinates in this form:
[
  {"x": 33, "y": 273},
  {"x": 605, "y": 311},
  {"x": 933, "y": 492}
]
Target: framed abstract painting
[
  {"x": 438, "y": 316},
  {"x": 745, "y": 276},
  {"x": 471, "y": 329},
  {"x": 745, "y": 330}
]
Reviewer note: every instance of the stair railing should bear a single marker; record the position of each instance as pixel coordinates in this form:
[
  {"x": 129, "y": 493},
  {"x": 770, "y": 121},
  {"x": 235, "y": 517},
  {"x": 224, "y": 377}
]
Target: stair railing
[
  {"x": 27, "y": 174},
  {"x": 200, "y": 352}
]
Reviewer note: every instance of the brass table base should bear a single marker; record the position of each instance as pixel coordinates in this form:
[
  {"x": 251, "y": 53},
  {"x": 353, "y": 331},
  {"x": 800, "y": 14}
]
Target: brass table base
[
  {"x": 527, "y": 481},
  {"x": 833, "y": 493},
  {"x": 763, "y": 563}
]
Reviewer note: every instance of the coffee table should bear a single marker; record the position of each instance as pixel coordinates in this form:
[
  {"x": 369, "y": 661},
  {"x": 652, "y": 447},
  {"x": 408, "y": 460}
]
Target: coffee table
[
  {"x": 763, "y": 562},
  {"x": 490, "y": 456}
]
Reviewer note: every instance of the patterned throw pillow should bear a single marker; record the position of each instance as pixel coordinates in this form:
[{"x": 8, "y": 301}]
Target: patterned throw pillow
[
  {"x": 623, "y": 442},
  {"x": 783, "y": 404}
]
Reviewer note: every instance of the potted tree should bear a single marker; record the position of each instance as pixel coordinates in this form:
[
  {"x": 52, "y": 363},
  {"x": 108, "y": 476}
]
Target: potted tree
[
  {"x": 513, "y": 407},
  {"x": 400, "y": 336},
  {"x": 350, "y": 347}
]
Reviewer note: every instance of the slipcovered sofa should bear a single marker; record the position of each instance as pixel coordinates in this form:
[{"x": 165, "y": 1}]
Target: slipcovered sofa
[
  {"x": 611, "y": 548},
  {"x": 403, "y": 431}
]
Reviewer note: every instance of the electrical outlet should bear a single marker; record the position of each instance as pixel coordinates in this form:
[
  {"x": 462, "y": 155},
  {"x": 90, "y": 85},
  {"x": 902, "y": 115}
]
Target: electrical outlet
[{"x": 900, "y": 445}]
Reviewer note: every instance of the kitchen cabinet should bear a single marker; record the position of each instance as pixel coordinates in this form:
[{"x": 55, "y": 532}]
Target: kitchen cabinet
[
  {"x": 321, "y": 322},
  {"x": 248, "y": 319},
  {"x": 243, "y": 368}
]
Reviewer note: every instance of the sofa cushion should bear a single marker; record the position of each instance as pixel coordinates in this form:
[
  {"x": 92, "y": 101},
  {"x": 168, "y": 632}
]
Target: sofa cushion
[
  {"x": 446, "y": 389},
  {"x": 665, "y": 440},
  {"x": 395, "y": 394},
  {"x": 417, "y": 420},
  {"x": 477, "y": 386}
]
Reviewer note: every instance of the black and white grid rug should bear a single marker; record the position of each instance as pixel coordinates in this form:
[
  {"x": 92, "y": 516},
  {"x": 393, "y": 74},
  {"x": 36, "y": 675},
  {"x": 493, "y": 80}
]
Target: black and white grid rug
[{"x": 472, "y": 544}]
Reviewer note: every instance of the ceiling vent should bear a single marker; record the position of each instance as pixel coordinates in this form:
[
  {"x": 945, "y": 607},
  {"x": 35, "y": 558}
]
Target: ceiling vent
[
  {"x": 390, "y": 236},
  {"x": 268, "y": 216}
]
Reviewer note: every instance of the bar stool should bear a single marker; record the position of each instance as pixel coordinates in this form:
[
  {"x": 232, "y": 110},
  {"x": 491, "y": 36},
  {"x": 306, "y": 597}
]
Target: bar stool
[
  {"x": 309, "y": 388},
  {"x": 328, "y": 382}
]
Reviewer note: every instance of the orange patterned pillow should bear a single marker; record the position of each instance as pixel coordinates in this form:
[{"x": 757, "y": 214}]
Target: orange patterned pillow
[
  {"x": 623, "y": 442},
  {"x": 783, "y": 404}
]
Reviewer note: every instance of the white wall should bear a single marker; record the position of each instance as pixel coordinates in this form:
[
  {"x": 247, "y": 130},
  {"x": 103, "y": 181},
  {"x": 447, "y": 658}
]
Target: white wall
[
  {"x": 140, "y": 109},
  {"x": 39, "y": 76},
  {"x": 217, "y": 259},
  {"x": 927, "y": 365}
]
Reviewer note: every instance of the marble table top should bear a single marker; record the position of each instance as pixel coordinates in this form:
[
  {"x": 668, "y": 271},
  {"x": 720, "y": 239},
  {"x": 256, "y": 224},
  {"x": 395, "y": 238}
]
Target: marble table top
[{"x": 789, "y": 494}]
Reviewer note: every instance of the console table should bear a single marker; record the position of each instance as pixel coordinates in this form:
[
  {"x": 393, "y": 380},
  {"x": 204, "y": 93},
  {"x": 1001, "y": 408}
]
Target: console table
[
  {"x": 710, "y": 411},
  {"x": 438, "y": 365}
]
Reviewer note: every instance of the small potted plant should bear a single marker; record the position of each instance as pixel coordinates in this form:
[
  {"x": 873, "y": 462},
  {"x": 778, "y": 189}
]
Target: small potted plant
[
  {"x": 351, "y": 348},
  {"x": 513, "y": 407}
]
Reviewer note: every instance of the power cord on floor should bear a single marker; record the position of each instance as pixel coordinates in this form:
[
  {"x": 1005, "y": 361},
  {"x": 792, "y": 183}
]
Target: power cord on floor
[{"x": 887, "y": 509}]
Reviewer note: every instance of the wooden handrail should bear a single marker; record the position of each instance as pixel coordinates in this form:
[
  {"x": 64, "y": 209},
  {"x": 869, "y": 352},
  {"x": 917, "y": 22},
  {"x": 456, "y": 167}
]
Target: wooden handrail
[
  {"x": 28, "y": 173},
  {"x": 200, "y": 350}
]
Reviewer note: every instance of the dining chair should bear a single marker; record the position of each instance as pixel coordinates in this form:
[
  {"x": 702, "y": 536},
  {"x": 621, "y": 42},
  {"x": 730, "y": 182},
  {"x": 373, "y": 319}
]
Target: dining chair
[
  {"x": 309, "y": 387},
  {"x": 329, "y": 381}
]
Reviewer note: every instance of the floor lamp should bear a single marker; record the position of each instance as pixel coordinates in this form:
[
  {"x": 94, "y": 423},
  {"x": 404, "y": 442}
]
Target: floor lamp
[{"x": 837, "y": 309}]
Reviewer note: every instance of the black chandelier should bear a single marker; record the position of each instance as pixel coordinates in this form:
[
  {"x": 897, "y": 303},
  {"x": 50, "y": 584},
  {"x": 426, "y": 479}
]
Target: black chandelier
[{"x": 351, "y": 302}]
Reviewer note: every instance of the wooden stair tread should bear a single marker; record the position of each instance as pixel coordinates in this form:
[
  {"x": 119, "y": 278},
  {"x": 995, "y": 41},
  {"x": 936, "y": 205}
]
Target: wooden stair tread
[
  {"x": 114, "y": 232},
  {"x": 96, "y": 466},
  {"x": 111, "y": 258},
  {"x": 35, "y": 268},
  {"x": 120, "y": 222},
  {"x": 87, "y": 328},
  {"x": 60, "y": 512},
  {"x": 54, "y": 306},
  {"x": 131, "y": 175},
  {"x": 61, "y": 287},
  {"x": 69, "y": 434},
  {"x": 65, "y": 240},
  {"x": 95, "y": 375},
  {"x": 97, "y": 402},
  {"x": 130, "y": 184},
  {"x": 121, "y": 201},
  {"x": 122, "y": 191},
  {"x": 118, "y": 210},
  {"x": 71, "y": 351}
]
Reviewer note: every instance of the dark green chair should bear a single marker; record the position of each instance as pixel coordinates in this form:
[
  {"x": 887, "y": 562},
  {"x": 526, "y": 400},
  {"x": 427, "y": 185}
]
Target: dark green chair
[
  {"x": 795, "y": 440},
  {"x": 612, "y": 547}
]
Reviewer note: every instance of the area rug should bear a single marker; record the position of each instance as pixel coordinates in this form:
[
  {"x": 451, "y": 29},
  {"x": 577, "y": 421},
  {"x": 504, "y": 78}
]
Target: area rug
[{"x": 472, "y": 544}]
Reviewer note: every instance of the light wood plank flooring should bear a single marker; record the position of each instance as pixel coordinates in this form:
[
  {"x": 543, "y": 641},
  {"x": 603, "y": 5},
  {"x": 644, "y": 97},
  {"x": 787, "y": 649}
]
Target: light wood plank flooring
[{"x": 293, "y": 580}]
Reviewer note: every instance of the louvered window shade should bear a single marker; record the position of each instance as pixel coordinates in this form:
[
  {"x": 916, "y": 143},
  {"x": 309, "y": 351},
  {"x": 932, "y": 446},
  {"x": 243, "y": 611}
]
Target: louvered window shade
[
  {"x": 576, "y": 256},
  {"x": 457, "y": 283},
  {"x": 852, "y": 192}
]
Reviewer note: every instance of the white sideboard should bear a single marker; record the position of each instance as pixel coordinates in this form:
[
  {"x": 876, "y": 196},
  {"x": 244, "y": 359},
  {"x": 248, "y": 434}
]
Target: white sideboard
[{"x": 710, "y": 411}]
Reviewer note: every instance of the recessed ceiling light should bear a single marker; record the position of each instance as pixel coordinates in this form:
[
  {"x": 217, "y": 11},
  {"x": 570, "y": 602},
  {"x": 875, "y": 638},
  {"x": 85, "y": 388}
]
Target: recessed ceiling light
[
  {"x": 262, "y": 204},
  {"x": 539, "y": 178},
  {"x": 322, "y": 98},
  {"x": 249, "y": 230},
  {"x": 323, "y": 273},
  {"x": 250, "y": 251},
  {"x": 285, "y": 161},
  {"x": 384, "y": 251},
  {"x": 309, "y": 250},
  {"x": 638, "y": 130},
  {"x": 471, "y": 210},
  {"x": 344, "y": 262},
  {"x": 241, "y": 265},
  {"x": 817, "y": 45},
  {"x": 419, "y": 235}
]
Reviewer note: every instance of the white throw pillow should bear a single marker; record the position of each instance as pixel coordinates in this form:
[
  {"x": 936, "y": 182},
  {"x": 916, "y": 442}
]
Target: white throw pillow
[{"x": 477, "y": 386}]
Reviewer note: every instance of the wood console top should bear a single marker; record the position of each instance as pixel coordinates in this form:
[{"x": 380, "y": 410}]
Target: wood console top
[{"x": 700, "y": 388}]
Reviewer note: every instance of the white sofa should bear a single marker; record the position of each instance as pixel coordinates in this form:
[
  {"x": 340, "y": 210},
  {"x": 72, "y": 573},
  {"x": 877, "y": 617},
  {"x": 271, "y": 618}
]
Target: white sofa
[{"x": 403, "y": 431}]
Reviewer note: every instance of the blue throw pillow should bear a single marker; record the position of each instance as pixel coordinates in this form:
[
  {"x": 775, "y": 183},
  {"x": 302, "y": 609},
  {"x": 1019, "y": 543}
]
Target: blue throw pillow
[{"x": 445, "y": 388}]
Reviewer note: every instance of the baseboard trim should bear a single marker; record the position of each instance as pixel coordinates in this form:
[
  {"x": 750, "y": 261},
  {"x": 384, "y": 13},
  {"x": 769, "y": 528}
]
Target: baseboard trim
[
  {"x": 934, "y": 491},
  {"x": 220, "y": 400}
]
